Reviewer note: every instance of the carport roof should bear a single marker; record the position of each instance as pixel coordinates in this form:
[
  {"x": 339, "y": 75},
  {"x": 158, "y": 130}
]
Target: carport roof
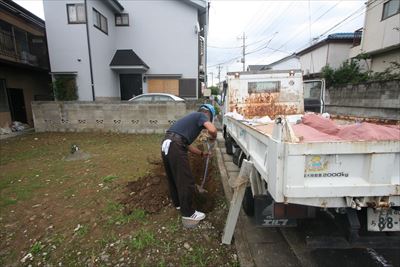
[{"x": 127, "y": 58}]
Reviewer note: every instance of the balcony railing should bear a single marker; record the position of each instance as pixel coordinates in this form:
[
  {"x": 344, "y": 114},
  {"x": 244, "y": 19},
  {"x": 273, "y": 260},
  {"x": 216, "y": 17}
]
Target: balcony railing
[{"x": 12, "y": 50}]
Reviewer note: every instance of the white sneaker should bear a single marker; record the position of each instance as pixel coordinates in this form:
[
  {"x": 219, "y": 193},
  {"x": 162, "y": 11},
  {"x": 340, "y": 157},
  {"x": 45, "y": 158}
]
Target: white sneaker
[
  {"x": 177, "y": 208},
  {"x": 196, "y": 216}
]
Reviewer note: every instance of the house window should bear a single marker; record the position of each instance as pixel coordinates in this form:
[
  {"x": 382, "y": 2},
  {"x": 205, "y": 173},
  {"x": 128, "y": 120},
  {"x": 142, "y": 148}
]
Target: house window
[
  {"x": 122, "y": 19},
  {"x": 390, "y": 8},
  {"x": 100, "y": 21},
  {"x": 76, "y": 13},
  {"x": 264, "y": 87}
]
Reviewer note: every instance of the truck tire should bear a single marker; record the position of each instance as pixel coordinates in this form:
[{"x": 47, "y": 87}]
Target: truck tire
[
  {"x": 241, "y": 158},
  {"x": 229, "y": 145},
  {"x": 248, "y": 202},
  {"x": 236, "y": 156},
  {"x": 224, "y": 132}
]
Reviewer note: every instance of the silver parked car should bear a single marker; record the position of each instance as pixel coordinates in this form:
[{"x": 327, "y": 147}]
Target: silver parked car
[{"x": 156, "y": 97}]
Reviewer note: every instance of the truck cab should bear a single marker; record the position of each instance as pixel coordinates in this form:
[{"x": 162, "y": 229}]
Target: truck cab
[{"x": 271, "y": 93}]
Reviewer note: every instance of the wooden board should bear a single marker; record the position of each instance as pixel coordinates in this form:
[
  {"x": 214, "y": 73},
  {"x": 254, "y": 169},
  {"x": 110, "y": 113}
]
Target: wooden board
[{"x": 169, "y": 86}]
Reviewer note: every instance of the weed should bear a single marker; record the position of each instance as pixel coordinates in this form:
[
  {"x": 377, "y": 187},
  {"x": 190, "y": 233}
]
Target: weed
[
  {"x": 83, "y": 230},
  {"x": 115, "y": 209},
  {"x": 142, "y": 240},
  {"x": 58, "y": 239},
  {"x": 174, "y": 224},
  {"x": 8, "y": 201},
  {"x": 109, "y": 239},
  {"x": 36, "y": 248},
  {"x": 162, "y": 263},
  {"x": 197, "y": 257},
  {"x": 109, "y": 178}
]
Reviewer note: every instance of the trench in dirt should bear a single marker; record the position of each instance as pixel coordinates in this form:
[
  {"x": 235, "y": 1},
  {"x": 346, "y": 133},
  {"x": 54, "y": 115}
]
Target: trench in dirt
[{"x": 151, "y": 194}]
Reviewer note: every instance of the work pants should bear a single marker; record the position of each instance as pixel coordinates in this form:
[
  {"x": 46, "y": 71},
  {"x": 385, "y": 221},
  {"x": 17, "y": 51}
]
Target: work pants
[{"x": 180, "y": 179}]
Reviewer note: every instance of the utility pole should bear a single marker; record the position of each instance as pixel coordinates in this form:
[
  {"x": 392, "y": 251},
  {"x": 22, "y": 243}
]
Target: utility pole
[
  {"x": 219, "y": 76},
  {"x": 243, "y": 60}
]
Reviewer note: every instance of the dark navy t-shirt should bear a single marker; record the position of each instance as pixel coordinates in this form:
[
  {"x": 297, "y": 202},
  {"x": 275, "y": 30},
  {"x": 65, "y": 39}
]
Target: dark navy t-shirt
[{"x": 190, "y": 126}]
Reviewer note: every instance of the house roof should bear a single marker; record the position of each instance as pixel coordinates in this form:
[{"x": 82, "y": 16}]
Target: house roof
[
  {"x": 127, "y": 58},
  {"x": 257, "y": 67},
  {"x": 341, "y": 37},
  {"x": 199, "y": 4},
  {"x": 282, "y": 60},
  {"x": 116, "y": 5},
  {"x": 21, "y": 12}
]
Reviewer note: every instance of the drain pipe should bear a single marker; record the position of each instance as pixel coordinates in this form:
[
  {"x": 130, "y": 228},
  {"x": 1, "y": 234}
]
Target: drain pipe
[{"x": 90, "y": 51}]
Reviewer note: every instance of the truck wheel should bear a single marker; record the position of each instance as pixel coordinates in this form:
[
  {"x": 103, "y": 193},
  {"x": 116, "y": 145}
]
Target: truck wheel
[
  {"x": 241, "y": 158},
  {"x": 225, "y": 135},
  {"x": 229, "y": 145},
  {"x": 248, "y": 202},
  {"x": 236, "y": 156}
]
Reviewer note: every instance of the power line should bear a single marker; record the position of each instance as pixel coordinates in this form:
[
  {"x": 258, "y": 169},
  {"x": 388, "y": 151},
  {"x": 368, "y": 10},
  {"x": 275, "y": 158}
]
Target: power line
[{"x": 302, "y": 30}]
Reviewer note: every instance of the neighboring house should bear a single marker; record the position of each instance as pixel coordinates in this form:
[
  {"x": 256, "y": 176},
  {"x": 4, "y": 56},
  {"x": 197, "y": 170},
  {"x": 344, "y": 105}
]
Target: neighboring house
[
  {"x": 381, "y": 34},
  {"x": 332, "y": 51},
  {"x": 24, "y": 63},
  {"x": 290, "y": 62},
  {"x": 114, "y": 50},
  {"x": 257, "y": 67}
]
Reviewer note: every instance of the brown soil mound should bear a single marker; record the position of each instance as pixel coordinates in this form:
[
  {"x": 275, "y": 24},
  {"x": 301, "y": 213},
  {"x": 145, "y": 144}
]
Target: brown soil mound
[{"x": 151, "y": 193}]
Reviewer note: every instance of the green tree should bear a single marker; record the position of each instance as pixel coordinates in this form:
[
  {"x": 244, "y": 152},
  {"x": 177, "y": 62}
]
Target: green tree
[
  {"x": 214, "y": 90},
  {"x": 348, "y": 73}
]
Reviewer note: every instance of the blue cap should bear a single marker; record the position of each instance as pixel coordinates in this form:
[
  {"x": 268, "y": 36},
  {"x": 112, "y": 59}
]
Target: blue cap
[{"x": 210, "y": 108}]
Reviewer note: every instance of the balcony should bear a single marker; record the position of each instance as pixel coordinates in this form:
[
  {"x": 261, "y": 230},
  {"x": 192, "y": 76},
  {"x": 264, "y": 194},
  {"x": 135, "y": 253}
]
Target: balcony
[{"x": 21, "y": 47}]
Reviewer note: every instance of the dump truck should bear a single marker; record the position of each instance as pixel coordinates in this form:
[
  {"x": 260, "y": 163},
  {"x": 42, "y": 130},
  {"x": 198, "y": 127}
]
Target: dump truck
[{"x": 294, "y": 177}]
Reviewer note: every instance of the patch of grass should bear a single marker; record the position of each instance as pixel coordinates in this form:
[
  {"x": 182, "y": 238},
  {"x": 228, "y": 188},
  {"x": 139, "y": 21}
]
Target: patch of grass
[
  {"x": 83, "y": 230},
  {"x": 197, "y": 257},
  {"x": 58, "y": 239},
  {"x": 11, "y": 194},
  {"x": 142, "y": 239},
  {"x": 25, "y": 154},
  {"x": 118, "y": 218},
  {"x": 69, "y": 192},
  {"x": 109, "y": 178},
  {"x": 108, "y": 239},
  {"x": 174, "y": 224},
  {"x": 36, "y": 248},
  {"x": 7, "y": 202}
]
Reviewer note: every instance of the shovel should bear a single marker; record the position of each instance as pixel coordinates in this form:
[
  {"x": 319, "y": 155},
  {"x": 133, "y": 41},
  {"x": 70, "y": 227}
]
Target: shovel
[{"x": 200, "y": 188}]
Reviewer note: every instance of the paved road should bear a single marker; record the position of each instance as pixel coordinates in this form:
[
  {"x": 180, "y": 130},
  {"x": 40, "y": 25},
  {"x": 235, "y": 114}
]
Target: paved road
[{"x": 287, "y": 246}]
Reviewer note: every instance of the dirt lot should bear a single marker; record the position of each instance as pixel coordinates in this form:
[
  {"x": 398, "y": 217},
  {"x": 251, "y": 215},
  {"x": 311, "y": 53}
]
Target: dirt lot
[{"x": 111, "y": 209}]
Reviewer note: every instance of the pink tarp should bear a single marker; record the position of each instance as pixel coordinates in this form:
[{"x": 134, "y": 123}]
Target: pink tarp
[{"x": 316, "y": 128}]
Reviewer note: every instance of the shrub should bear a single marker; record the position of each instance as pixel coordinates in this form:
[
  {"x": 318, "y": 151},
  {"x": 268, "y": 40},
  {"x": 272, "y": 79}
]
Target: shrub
[{"x": 65, "y": 88}]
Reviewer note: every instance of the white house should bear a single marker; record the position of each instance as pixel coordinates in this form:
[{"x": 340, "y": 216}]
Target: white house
[
  {"x": 117, "y": 49},
  {"x": 381, "y": 34},
  {"x": 332, "y": 51}
]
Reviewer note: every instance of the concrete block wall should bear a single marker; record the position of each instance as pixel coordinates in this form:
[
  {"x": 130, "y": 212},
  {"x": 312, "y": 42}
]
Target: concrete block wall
[
  {"x": 371, "y": 100},
  {"x": 122, "y": 117}
]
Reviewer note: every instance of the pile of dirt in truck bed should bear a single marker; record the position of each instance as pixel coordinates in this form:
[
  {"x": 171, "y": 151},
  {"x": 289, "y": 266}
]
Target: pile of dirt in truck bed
[{"x": 151, "y": 194}]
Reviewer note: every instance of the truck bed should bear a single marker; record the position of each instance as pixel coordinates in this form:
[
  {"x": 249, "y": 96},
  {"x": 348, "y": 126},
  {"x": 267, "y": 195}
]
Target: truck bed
[{"x": 324, "y": 173}]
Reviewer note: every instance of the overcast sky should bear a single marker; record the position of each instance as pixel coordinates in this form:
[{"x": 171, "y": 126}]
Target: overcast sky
[{"x": 273, "y": 29}]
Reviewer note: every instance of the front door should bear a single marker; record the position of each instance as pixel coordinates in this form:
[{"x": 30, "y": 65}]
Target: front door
[
  {"x": 17, "y": 104},
  {"x": 131, "y": 85}
]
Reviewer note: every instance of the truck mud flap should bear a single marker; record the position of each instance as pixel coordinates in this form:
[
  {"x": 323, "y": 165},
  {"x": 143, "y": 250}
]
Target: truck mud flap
[{"x": 264, "y": 207}]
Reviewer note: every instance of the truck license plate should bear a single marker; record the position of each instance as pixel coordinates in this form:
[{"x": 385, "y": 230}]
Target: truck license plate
[{"x": 383, "y": 220}]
